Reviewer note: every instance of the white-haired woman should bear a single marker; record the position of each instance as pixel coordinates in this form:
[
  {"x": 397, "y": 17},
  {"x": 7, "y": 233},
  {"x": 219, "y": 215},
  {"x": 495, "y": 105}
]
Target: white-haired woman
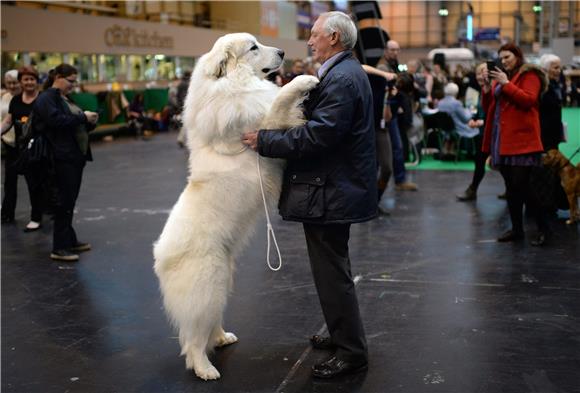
[
  {"x": 460, "y": 115},
  {"x": 9, "y": 148},
  {"x": 545, "y": 182},
  {"x": 551, "y": 104}
]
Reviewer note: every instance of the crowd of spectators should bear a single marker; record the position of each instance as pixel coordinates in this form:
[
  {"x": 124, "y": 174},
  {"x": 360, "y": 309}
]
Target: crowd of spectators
[
  {"x": 404, "y": 94},
  {"x": 416, "y": 90}
]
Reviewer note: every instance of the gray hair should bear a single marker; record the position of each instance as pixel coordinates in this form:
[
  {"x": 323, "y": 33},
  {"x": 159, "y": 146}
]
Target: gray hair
[
  {"x": 341, "y": 23},
  {"x": 451, "y": 89},
  {"x": 547, "y": 60},
  {"x": 11, "y": 74}
]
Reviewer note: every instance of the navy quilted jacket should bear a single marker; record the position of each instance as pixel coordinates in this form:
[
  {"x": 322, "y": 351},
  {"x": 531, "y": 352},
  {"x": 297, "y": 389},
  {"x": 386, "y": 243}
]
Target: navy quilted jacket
[{"x": 331, "y": 171}]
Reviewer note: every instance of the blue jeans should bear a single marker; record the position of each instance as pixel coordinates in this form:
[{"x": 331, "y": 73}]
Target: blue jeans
[{"x": 397, "y": 146}]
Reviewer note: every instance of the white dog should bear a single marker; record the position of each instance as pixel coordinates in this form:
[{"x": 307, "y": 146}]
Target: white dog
[{"x": 216, "y": 213}]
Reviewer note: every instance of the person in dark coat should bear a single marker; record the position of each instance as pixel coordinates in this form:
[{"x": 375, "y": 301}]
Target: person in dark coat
[
  {"x": 66, "y": 127},
  {"x": 552, "y": 130},
  {"x": 330, "y": 182}
]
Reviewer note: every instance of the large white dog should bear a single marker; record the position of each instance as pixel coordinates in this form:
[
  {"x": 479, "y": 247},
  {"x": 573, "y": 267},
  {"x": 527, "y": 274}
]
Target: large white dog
[{"x": 216, "y": 213}]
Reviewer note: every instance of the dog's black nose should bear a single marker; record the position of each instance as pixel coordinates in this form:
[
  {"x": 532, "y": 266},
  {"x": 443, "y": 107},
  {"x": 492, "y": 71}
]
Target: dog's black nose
[{"x": 281, "y": 53}]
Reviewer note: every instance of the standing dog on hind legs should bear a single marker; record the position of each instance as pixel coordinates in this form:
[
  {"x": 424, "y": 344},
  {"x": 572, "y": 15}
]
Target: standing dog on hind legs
[{"x": 216, "y": 213}]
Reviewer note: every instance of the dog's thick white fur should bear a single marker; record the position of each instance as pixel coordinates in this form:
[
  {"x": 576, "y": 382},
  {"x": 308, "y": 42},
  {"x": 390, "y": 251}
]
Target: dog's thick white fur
[{"x": 216, "y": 213}]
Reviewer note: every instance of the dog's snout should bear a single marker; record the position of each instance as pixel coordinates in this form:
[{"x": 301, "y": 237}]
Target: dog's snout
[{"x": 281, "y": 53}]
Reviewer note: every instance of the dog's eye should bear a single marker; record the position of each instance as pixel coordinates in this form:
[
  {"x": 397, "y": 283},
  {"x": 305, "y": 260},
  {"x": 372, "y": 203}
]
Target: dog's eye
[{"x": 255, "y": 47}]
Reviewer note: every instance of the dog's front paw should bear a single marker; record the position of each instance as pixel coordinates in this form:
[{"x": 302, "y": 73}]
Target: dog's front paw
[
  {"x": 304, "y": 83},
  {"x": 208, "y": 373},
  {"x": 226, "y": 339}
]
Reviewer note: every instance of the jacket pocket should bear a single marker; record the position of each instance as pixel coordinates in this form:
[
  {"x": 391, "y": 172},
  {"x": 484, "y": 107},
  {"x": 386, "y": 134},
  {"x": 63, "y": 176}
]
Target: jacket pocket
[{"x": 306, "y": 195}]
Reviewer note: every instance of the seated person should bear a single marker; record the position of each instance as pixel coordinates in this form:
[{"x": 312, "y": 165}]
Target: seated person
[
  {"x": 139, "y": 120},
  {"x": 460, "y": 115}
]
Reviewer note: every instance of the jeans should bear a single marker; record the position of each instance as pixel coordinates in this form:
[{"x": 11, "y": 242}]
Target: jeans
[{"x": 397, "y": 148}]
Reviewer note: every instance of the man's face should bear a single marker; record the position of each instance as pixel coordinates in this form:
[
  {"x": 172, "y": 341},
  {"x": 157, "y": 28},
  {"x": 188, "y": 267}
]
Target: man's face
[
  {"x": 320, "y": 42},
  {"x": 392, "y": 51}
]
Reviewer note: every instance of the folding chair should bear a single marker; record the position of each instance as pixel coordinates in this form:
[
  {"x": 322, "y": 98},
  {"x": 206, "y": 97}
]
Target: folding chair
[{"x": 439, "y": 124}]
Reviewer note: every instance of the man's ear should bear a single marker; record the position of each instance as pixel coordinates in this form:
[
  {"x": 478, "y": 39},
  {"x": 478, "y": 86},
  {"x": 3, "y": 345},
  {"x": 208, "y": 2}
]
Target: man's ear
[{"x": 334, "y": 38}]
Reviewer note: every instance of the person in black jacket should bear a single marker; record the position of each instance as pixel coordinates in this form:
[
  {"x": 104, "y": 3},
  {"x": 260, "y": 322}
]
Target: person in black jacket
[
  {"x": 66, "y": 127},
  {"x": 551, "y": 104},
  {"x": 330, "y": 182}
]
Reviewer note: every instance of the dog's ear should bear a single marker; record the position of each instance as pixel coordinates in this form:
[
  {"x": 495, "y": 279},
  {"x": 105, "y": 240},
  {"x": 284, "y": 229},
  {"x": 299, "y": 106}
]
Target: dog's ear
[{"x": 216, "y": 61}]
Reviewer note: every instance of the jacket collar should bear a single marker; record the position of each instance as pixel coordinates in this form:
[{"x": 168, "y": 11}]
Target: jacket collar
[{"x": 343, "y": 55}]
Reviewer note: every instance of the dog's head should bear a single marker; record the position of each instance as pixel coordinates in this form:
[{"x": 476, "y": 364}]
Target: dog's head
[
  {"x": 553, "y": 158},
  {"x": 241, "y": 51}
]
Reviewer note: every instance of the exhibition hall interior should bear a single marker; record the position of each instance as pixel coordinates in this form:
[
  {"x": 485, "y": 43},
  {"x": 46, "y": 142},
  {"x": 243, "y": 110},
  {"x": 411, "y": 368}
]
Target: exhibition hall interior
[{"x": 353, "y": 196}]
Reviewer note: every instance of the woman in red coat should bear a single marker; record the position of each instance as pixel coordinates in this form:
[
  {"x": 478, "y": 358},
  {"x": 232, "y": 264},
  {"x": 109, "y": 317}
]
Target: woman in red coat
[{"x": 512, "y": 133}]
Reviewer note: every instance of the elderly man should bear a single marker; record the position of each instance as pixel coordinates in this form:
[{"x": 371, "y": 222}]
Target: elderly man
[{"x": 330, "y": 183}]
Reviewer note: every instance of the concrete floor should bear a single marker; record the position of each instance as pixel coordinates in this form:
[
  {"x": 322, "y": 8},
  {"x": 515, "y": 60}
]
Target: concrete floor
[{"x": 445, "y": 307}]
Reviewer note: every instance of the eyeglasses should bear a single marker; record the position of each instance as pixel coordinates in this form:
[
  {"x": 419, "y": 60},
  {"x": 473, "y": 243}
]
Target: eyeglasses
[{"x": 72, "y": 82}]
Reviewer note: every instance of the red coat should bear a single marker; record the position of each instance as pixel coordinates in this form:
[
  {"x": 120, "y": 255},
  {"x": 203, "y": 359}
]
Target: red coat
[{"x": 519, "y": 118}]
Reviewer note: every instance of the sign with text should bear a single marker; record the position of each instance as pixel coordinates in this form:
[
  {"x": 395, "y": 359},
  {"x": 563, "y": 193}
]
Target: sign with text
[
  {"x": 128, "y": 37},
  {"x": 487, "y": 34}
]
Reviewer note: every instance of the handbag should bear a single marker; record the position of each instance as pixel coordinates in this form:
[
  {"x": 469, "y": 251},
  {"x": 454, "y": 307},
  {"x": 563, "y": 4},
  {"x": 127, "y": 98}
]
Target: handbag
[{"x": 34, "y": 148}]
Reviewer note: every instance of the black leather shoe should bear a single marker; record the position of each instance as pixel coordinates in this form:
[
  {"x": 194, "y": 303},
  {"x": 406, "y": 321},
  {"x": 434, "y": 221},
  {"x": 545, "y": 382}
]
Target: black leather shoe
[
  {"x": 510, "y": 236},
  {"x": 540, "y": 240},
  {"x": 321, "y": 342},
  {"x": 468, "y": 195},
  {"x": 335, "y": 367}
]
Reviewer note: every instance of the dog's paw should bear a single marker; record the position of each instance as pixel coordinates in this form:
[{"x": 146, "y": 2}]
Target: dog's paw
[
  {"x": 226, "y": 339},
  {"x": 304, "y": 83},
  {"x": 209, "y": 373}
]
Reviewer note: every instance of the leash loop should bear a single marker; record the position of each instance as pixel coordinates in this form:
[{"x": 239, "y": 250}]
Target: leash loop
[{"x": 270, "y": 229}]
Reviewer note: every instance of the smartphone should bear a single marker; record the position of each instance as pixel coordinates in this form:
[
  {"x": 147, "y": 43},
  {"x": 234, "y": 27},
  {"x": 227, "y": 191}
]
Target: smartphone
[{"x": 491, "y": 65}]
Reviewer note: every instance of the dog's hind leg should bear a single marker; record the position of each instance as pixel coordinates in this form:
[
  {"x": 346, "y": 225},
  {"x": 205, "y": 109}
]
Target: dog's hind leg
[
  {"x": 219, "y": 337},
  {"x": 193, "y": 346},
  {"x": 573, "y": 202},
  {"x": 207, "y": 306}
]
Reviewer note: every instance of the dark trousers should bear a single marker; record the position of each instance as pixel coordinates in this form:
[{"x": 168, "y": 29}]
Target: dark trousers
[
  {"x": 68, "y": 177},
  {"x": 384, "y": 159},
  {"x": 479, "y": 160},
  {"x": 517, "y": 182},
  {"x": 37, "y": 180},
  {"x": 10, "y": 182},
  {"x": 397, "y": 151},
  {"x": 330, "y": 264}
]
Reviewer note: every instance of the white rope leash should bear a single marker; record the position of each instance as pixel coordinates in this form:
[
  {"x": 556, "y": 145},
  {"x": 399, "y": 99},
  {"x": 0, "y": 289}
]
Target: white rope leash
[{"x": 270, "y": 230}]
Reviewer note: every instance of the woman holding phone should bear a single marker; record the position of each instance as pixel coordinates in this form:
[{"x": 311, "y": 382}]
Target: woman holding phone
[{"x": 512, "y": 133}]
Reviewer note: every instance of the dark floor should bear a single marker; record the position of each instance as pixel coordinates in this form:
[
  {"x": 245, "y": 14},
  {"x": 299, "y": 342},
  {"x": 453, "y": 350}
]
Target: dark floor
[{"x": 445, "y": 307}]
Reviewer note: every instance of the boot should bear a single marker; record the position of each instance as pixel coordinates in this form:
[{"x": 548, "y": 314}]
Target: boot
[{"x": 469, "y": 195}]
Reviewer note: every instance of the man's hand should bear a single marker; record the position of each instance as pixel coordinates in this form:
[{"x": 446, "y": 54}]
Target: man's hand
[{"x": 250, "y": 139}]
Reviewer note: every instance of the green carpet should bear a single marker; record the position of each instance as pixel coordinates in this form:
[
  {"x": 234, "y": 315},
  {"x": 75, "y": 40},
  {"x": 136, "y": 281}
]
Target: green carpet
[{"x": 570, "y": 115}]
